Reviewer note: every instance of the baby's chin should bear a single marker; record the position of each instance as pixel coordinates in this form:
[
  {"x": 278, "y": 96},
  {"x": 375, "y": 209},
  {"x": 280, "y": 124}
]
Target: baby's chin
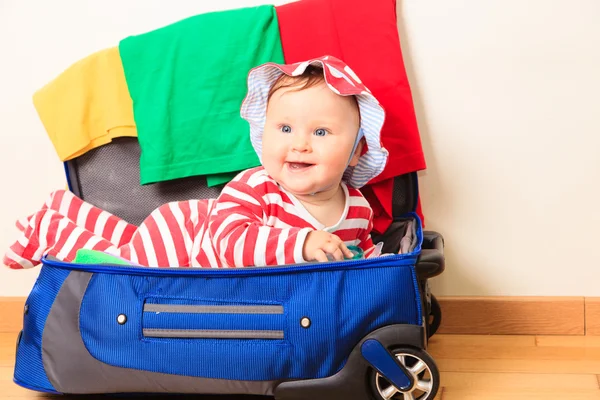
[
  {"x": 300, "y": 186},
  {"x": 300, "y": 191}
]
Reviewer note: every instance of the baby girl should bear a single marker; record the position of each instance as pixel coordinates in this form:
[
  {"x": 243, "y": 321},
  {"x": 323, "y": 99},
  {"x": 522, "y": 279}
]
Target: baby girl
[{"x": 316, "y": 129}]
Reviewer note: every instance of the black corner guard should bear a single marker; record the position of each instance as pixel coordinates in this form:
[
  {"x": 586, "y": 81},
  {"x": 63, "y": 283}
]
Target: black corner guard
[
  {"x": 431, "y": 261},
  {"x": 352, "y": 381}
]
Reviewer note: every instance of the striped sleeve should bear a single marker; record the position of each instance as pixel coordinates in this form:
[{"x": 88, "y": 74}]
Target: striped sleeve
[
  {"x": 360, "y": 217},
  {"x": 240, "y": 235},
  {"x": 365, "y": 241}
]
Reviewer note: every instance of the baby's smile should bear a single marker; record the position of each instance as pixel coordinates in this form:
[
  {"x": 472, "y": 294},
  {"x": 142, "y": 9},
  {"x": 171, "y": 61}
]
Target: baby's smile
[{"x": 298, "y": 166}]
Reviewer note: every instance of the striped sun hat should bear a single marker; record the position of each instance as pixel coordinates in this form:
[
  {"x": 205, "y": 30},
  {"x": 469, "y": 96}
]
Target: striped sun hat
[{"x": 341, "y": 80}]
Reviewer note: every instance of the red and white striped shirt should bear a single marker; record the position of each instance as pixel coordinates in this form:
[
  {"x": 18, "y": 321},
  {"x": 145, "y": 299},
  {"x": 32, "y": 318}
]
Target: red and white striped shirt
[
  {"x": 254, "y": 222},
  {"x": 257, "y": 222}
]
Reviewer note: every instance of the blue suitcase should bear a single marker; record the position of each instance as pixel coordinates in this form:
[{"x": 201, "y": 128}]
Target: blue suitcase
[{"x": 341, "y": 330}]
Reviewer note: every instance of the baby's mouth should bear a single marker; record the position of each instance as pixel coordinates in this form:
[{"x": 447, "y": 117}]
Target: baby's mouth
[{"x": 298, "y": 166}]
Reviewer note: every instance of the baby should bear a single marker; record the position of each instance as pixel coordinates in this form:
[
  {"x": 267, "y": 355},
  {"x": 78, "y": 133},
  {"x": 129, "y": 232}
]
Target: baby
[{"x": 315, "y": 127}]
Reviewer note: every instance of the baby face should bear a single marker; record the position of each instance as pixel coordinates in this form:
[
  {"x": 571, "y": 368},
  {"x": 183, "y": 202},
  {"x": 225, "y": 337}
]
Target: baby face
[{"x": 308, "y": 137}]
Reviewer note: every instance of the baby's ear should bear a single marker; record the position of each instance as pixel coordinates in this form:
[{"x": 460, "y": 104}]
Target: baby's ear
[{"x": 358, "y": 152}]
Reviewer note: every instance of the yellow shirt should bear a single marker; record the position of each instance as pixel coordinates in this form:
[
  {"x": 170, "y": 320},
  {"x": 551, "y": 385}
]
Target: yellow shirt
[{"x": 87, "y": 105}]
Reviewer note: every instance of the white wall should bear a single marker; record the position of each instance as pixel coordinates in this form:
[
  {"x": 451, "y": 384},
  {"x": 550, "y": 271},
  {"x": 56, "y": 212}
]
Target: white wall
[{"x": 507, "y": 100}]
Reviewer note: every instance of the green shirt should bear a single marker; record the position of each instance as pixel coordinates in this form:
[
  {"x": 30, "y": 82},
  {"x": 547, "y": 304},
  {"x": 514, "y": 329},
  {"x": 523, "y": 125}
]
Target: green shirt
[{"x": 187, "y": 81}]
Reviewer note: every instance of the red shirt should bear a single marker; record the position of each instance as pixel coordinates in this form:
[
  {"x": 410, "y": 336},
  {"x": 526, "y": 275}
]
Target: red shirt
[{"x": 364, "y": 34}]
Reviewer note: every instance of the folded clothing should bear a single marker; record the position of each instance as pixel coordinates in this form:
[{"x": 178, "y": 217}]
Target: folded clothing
[
  {"x": 87, "y": 105},
  {"x": 187, "y": 81},
  {"x": 86, "y": 256},
  {"x": 364, "y": 34}
]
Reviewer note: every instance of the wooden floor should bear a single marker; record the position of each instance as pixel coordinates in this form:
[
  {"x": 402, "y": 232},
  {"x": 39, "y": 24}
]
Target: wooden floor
[{"x": 472, "y": 367}]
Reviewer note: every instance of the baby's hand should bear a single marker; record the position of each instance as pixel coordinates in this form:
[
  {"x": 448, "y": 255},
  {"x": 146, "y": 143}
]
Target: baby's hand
[{"x": 320, "y": 243}]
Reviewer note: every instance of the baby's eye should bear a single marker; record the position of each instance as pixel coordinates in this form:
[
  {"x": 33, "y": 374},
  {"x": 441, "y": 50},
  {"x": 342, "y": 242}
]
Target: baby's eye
[
  {"x": 286, "y": 129},
  {"x": 320, "y": 132}
]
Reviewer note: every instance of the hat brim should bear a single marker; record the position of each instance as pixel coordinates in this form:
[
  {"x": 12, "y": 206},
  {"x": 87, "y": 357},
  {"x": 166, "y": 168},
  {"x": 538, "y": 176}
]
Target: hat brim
[{"x": 342, "y": 81}]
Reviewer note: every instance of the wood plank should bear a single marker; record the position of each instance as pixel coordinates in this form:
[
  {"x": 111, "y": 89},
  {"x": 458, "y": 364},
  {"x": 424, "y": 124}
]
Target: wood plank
[
  {"x": 567, "y": 341},
  {"x": 12, "y": 313},
  {"x": 492, "y": 382},
  {"x": 499, "y": 355},
  {"x": 503, "y": 394},
  {"x": 8, "y": 387},
  {"x": 8, "y": 343},
  {"x": 484, "y": 340},
  {"x": 519, "y": 365},
  {"x": 513, "y": 315},
  {"x": 592, "y": 316},
  {"x": 516, "y": 353},
  {"x": 483, "y": 348}
]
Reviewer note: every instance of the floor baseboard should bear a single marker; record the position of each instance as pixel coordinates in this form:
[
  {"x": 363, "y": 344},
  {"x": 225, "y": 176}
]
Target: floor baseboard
[
  {"x": 502, "y": 315},
  {"x": 592, "y": 316},
  {"x": 520, "y": 315}
]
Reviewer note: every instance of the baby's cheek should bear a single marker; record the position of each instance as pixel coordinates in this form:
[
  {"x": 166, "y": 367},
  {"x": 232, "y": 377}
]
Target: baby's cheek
[
  {"x": 273, "y": 154},
  {"x": 336, "y": 156},
  {"x": 271, "y": 160}
]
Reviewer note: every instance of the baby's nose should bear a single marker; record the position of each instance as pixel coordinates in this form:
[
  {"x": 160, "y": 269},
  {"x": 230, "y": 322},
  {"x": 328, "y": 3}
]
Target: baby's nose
[{"x": 300, "y": 144}]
